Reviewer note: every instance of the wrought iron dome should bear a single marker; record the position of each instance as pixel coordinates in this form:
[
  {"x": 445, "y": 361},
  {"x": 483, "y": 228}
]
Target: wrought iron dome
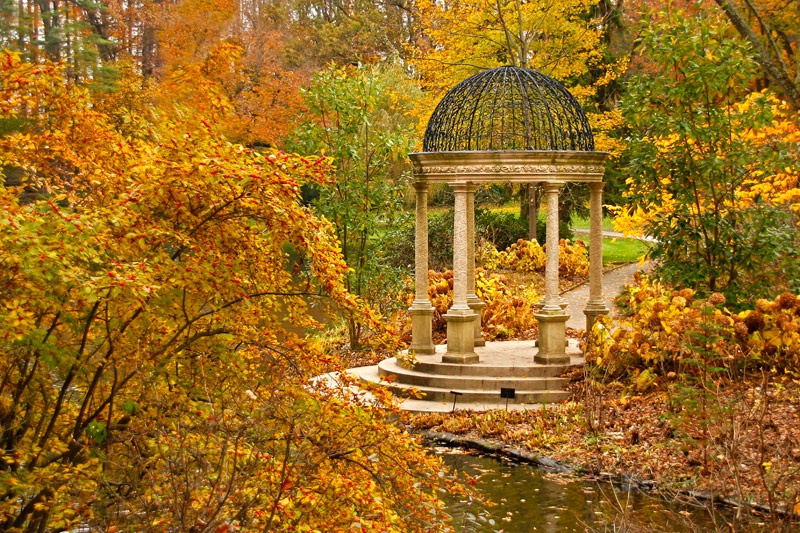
[{"x": 508, "y": 108}]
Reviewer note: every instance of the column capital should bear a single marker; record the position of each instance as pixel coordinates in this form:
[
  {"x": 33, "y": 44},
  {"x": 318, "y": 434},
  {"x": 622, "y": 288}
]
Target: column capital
[
  {"x": 596, "y": 186},
  {"x": 553, "y": 186},
  {"x": 420, "y": 185},
  {"x": 462, "y": 186}
]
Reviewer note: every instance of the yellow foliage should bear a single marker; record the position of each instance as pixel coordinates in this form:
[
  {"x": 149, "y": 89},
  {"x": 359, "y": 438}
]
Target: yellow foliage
[
  {"x": 156, "y": 286},
  {"x": 777, "y": 188},
  {"x": 529, "y": 256},
  {"x": 524, "y": 256},
  {"x": 663, "y": 329},
  {"x": 556, "y": 39}
]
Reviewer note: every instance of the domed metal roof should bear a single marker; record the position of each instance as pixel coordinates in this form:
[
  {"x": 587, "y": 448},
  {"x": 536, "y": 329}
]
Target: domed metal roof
[{"x": 508, "y": 108}]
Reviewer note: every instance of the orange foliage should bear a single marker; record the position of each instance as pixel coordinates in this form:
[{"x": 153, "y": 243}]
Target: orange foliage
[
  {"x": 665, "y": 330},
  {"x": 246, "y": 62},
  {"x": 154, "y": 289},
  {"x": 508, "y": 313}
]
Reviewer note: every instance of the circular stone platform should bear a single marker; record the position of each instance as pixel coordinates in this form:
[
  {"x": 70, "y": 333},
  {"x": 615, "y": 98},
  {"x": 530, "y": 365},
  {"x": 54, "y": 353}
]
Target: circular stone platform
[{"x": 504, "y": 365}]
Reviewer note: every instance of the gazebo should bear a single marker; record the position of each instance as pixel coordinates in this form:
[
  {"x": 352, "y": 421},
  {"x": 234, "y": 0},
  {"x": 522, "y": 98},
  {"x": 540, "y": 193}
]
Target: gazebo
[{"x": 505, "y": 124}]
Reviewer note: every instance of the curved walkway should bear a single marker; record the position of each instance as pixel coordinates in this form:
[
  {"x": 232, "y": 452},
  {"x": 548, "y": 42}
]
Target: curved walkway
[{"x": 613, "y": 283}]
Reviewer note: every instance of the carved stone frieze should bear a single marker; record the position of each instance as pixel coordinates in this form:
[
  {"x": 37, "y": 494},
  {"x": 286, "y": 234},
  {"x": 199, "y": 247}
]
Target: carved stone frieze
[
  {"x": 511, "y": 166},
  {"x": 511, "y": 169}
]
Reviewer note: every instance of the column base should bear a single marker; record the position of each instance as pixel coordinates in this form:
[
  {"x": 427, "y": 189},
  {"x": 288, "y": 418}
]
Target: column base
[
  {"x": 593, "y": 311},
  {"x": 421, "y": 328},
  {"x": 477, "y": 305},
  {"x": 552, "y": 338},
  {"x": 460, "y": 337},
  {"x": 540, "y": 305}
]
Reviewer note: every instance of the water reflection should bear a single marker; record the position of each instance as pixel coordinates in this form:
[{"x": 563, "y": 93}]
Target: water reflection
[{"x": 523, "y": 499}]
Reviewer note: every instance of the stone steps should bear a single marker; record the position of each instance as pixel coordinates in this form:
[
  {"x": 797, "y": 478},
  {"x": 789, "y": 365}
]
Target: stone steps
[
  {"x": 506, "y": 365},
  {"x": 482, "y": 391},
  {"x": 477, "y": 396},
  {"x": 469, "y": 378}
]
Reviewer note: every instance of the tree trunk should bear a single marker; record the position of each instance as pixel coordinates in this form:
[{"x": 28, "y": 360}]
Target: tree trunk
[
  {"x": 773, "y": 66},
  {"x": 100, "y": 23},
  {"x": 51, "y": 23},
  {"x": 354, "y": 334},
  {"x": 531, "y": 198}
]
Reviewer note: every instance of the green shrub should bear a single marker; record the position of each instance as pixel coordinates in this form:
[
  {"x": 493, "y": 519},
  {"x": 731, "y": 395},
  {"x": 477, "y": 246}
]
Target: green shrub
[
  {"x": 501, "y": 228},
  {"x": 440, "y": 240},
  {"x": 398, "y": 244}
]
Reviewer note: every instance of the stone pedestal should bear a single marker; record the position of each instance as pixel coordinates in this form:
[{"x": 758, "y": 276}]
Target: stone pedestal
[
  {"x": 460, "y": 337},
  {"x": 552, "y": 337},
  {"x": 421, "y": 328},
  {"x": 592, "y": 312},
  {"x": 477, "y": 306}
]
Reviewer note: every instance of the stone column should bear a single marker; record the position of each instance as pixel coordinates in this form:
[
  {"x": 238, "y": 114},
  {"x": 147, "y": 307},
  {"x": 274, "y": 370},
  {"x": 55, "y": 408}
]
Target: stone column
[
  {"x": 460, "y": 318},
  {"x": 552, "y": 319},
  {"x": 551, "y": 293},
  {"x": 475, "y": 303},
  {"x": 421, "y": 309},
  {"x": 595, "y": 306}
]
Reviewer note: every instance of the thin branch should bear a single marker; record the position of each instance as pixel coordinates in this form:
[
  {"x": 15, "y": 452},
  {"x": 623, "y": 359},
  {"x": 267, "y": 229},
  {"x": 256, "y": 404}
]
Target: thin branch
[
  {"x": 284, "y": 469},
  {"x": 778, "y": 75},
  {"x": 65, "y": 387}
]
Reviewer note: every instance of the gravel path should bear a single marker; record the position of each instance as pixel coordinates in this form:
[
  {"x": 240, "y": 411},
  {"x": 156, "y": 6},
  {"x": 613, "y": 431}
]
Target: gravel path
[{"x": 613, "y": 283}]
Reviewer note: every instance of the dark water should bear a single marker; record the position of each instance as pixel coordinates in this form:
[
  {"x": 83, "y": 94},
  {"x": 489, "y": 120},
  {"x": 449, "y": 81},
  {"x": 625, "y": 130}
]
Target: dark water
[{"x": 521, "y": 499}]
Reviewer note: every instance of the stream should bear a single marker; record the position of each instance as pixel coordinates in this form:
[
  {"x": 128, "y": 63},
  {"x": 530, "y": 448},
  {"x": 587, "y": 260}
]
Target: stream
[{"x": 519, "y": 498}]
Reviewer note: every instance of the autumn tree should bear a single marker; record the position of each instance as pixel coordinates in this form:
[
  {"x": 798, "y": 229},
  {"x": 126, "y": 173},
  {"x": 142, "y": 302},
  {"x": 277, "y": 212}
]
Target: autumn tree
[
  {"x": 154, "y": 371},
  {"x": 362, "y": 118},
  {"x": 703, "y": 153},
  {"x": 99, "y": 40},
  {"x": 264, "y": 88},
  {"x": 558, "y": 39},
  {"x": 346, "y": 32},
  {"x": 78, "y": 32},
  {"x": 770, "y": 29}
]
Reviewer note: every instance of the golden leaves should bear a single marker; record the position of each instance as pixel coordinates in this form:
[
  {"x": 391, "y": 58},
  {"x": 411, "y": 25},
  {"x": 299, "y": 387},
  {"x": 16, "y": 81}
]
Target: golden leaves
[
  {"x": 556, "y": 39},
  {"x": 145, "y": 291},
  {"x": 664, "y": 328}
]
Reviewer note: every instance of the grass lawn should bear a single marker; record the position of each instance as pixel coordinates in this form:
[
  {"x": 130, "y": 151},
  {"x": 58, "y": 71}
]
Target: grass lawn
[
  {"x": 583, "y": 223},
  {"x": 619, "y": 250}
]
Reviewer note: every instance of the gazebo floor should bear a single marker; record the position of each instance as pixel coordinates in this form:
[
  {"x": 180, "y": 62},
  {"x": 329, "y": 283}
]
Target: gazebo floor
[{"x": 503, "y": 365}]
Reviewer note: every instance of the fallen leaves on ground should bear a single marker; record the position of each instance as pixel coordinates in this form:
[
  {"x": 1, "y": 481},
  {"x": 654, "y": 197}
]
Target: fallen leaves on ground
[{"x": 744, "y": 446}]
